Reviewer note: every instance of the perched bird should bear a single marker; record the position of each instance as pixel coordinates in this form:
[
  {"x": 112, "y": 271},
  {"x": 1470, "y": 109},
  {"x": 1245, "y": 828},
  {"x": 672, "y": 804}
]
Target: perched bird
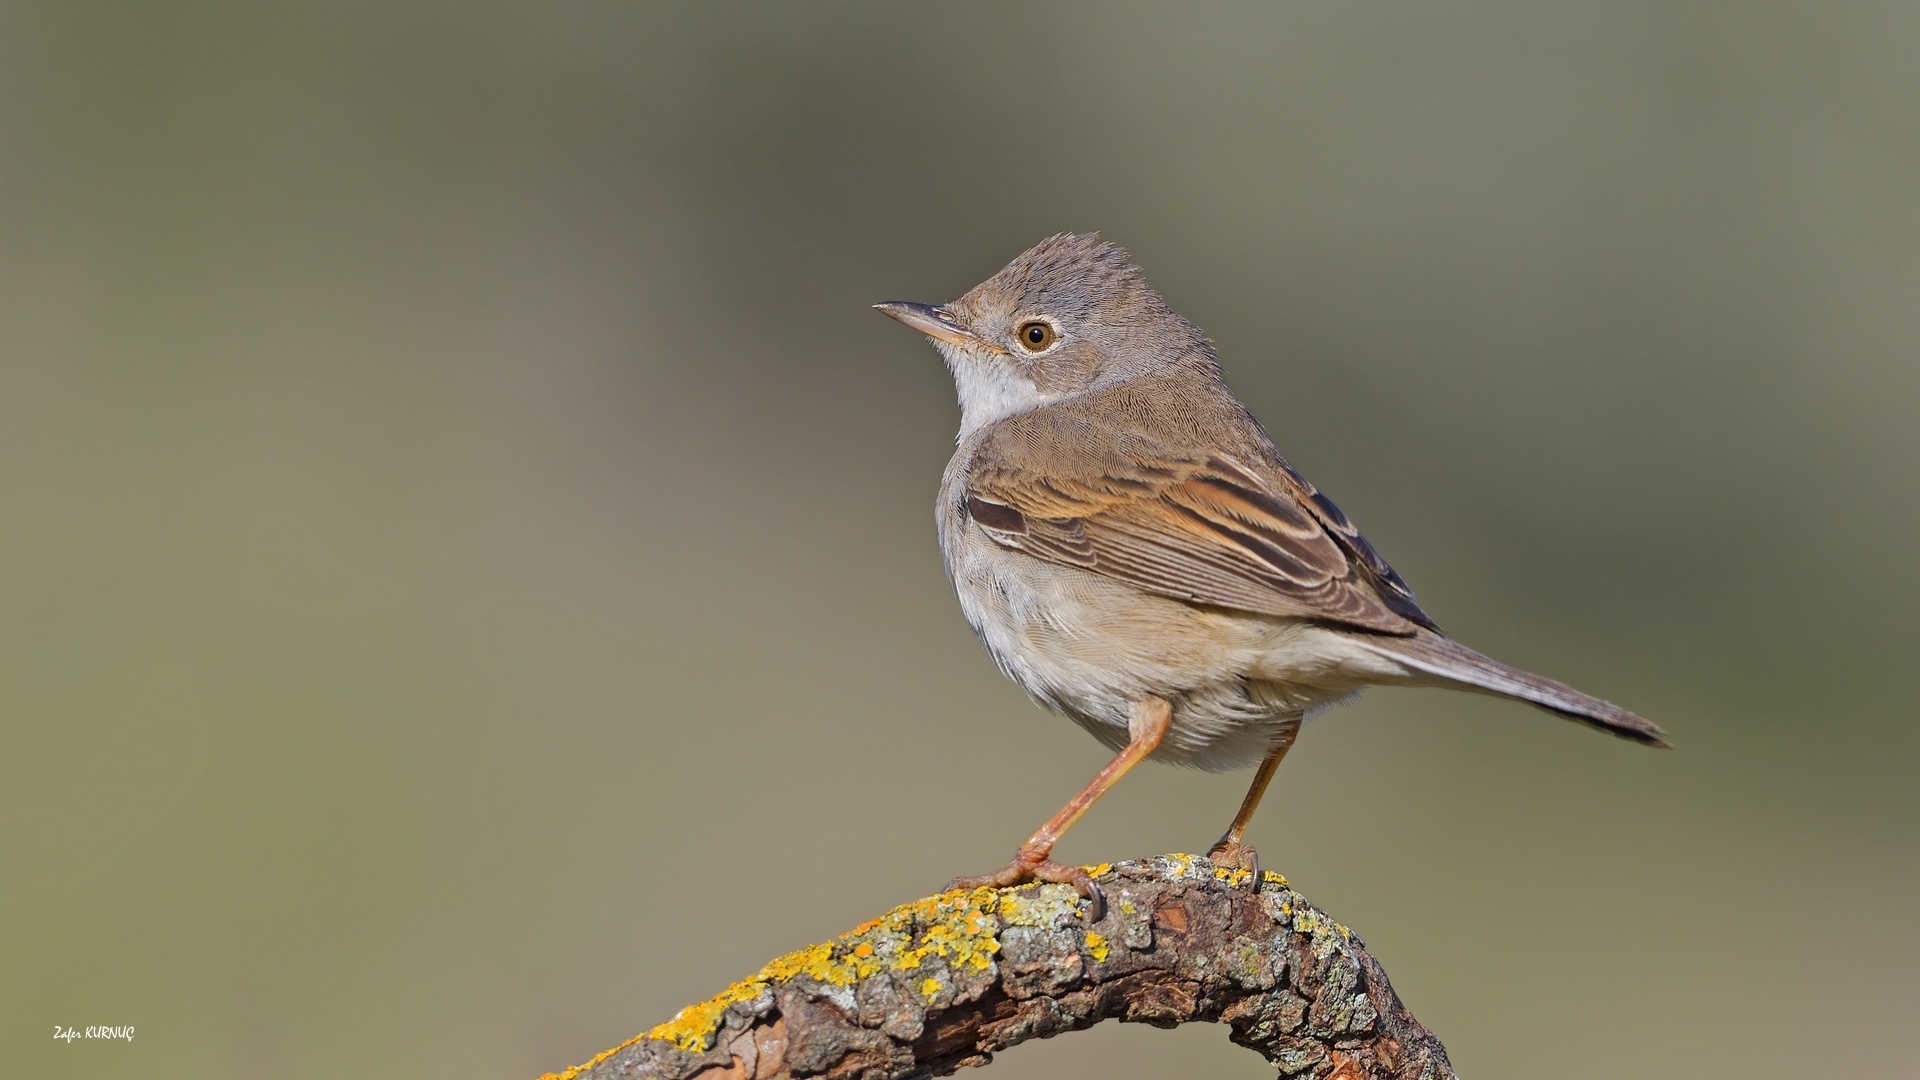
[{"x": 1136, "y": 554}]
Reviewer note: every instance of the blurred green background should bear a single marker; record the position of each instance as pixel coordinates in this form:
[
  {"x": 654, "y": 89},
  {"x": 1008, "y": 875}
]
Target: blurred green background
[{"x": 467, "y": 575}]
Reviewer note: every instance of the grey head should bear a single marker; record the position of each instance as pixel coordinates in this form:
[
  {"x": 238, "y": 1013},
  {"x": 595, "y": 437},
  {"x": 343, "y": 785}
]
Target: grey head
[{"x": 1069, "y": 315}]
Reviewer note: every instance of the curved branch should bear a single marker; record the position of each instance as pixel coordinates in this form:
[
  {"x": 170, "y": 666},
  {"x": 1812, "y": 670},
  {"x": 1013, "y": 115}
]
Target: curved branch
[{"x": 945, "y": 982}]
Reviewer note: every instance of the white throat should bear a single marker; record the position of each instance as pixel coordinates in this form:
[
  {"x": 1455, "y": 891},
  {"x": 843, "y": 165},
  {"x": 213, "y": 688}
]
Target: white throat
[{"x": 989, "y": 390}]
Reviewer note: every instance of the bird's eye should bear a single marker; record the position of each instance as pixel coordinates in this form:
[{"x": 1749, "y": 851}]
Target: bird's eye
[{"x": 1036, "y": 336}]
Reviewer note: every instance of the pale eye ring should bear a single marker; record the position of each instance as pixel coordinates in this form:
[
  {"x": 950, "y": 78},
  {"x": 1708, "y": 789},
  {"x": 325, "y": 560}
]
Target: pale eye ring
[{"x": 1036, "y": 335}]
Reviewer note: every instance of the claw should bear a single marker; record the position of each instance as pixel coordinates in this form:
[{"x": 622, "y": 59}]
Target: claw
[
  {"x": 1025, "y": 868},
  {"x": 1233, "y": 855}
]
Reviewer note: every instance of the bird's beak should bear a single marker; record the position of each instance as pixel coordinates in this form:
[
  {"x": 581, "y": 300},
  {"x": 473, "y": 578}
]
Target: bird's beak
[{"x": 935, "y": 322}]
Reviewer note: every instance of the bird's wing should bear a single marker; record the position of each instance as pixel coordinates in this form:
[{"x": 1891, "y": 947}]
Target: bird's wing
[{"x": 1203, "y": 527}]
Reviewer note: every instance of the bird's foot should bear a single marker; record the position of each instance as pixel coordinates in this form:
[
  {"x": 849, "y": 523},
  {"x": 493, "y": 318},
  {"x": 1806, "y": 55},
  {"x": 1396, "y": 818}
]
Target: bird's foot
[
  {"x": 1231, "y": 854},
  {"x": 1031, "y": 864}
]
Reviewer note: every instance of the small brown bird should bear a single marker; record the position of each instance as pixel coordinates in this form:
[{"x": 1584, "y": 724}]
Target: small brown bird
[{"x": 1135, "y": 553}]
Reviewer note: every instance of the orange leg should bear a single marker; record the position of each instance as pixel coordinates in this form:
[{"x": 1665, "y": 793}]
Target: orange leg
[
  {"x": 1232, "y": 850},
  {"x": 1147, "y": 726}
]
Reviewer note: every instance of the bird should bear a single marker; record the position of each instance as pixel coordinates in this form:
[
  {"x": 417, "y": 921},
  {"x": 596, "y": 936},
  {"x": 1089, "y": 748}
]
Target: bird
[{"x": 1135, "y": 553}]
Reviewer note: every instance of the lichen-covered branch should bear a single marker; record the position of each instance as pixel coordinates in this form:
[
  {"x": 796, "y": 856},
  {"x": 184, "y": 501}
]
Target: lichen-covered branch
[{"x": 945, "y": 982}]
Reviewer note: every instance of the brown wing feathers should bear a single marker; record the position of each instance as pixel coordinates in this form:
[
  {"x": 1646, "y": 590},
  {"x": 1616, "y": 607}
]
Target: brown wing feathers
[{"x": 1211, "y": 531}]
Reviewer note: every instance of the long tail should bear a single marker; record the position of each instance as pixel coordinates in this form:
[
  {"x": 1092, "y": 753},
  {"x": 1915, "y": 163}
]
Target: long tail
[{"x": 1450, "y": 663}]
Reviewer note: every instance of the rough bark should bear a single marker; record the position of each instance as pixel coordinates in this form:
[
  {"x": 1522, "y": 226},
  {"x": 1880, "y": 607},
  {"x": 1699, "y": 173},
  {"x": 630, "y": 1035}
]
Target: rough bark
[{"x": 943, "y": 983}]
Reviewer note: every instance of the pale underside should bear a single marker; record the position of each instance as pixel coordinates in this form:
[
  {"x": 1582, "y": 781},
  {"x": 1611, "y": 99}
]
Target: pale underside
[{"x": 1089, "y": 647}]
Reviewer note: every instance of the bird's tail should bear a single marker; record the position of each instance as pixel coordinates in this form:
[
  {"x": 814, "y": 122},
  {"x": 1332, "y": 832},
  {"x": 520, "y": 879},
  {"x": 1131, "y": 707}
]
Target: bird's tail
[{"x": 1440, "y": 661}]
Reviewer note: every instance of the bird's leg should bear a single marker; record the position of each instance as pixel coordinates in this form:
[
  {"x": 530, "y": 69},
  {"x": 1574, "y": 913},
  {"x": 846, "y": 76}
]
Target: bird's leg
[
  {"x": 1146, "y": 727},
  {"x": 1232, "y": 850}
]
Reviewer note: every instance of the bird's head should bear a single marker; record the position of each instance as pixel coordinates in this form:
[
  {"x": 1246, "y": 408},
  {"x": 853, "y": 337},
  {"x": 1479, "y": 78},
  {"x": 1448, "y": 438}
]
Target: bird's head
[{"x": 1070, "y": 314}]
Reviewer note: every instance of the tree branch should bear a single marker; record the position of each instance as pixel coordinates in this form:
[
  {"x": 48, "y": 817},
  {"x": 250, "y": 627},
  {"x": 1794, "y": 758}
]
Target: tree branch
[{"x": 945, "y": 982}]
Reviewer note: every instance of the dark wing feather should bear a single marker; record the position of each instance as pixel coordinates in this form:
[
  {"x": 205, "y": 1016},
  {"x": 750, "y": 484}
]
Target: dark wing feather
[
  {"x": 1210, "y": 530},
  {"x": 1386, "y": 582}
]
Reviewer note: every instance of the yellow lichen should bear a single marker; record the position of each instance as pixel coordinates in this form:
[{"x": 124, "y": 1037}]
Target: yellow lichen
[
  {"x": 1233, "y": 875},
  {"x": 1272, "y": 878},
  {"x": 574, "y": 1072},
  {"x": 1097, "y": 946},
  {"x": 931, "y": 988},
  {"x": 1245, "y": 960},
  {"x": 691, "y": 1026},
  {"x": 959, "y": 926}
]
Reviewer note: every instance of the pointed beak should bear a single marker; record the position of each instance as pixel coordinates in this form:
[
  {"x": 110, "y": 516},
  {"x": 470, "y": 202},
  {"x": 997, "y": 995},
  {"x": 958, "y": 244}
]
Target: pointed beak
[{"x": 935, "y": 322}]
